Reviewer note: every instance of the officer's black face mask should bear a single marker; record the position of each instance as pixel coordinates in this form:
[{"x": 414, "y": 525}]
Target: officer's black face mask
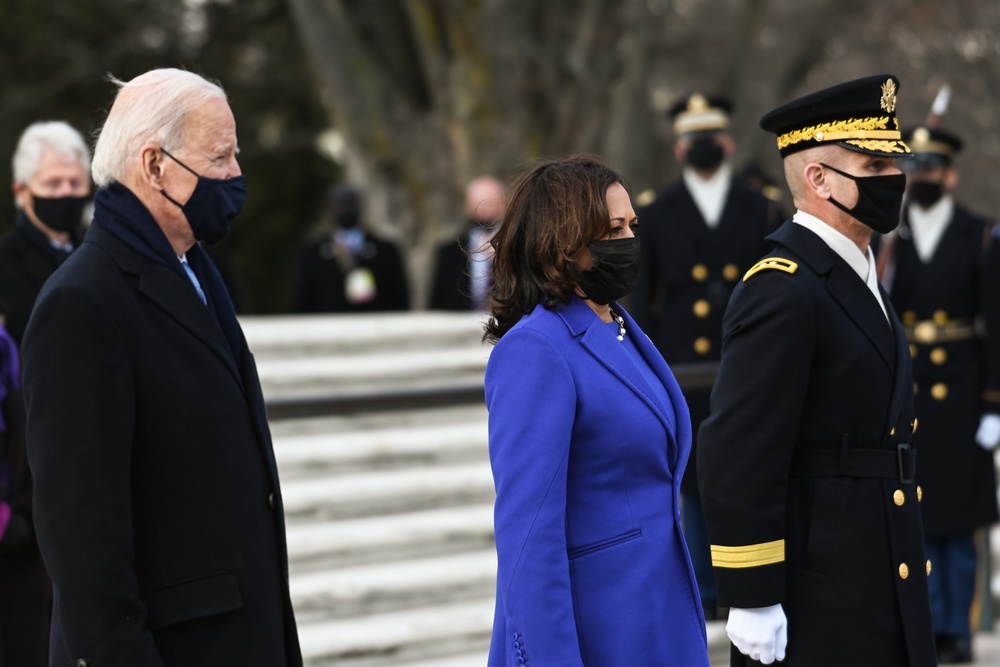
[
  {"x": 879, "y": 200},
  {"x": 925, "y": 193},
  {"x": 614, "y": 271},
  {"x": 704, "y": 155}
]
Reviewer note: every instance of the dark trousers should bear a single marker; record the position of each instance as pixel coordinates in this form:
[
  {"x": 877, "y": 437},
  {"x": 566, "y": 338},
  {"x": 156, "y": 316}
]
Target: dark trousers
[
  {"x": 696, "y": 536},
  {"x": 25, "y": 609},
  {"x": 952, "y": 583}
]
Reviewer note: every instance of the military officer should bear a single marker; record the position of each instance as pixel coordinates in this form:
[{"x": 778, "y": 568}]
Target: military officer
[
  {"x": 945, "y": 268},
  {"x": 807, "y": 467},
  {"x": 698, "y": 238}
]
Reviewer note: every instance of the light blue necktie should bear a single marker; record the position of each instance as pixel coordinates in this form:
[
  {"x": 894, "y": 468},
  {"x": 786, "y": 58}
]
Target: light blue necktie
[{"x": 194, "y": 281}]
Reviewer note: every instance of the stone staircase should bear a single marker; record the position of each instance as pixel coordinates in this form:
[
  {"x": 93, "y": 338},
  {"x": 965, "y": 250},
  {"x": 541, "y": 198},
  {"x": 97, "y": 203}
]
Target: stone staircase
[
  {"x": 381, "y": 442},
  {"x": 389, "y": 502}
]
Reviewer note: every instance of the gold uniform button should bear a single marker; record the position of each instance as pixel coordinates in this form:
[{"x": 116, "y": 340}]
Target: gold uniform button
[
  {"x": 730, "y": 272},
  {"x": 699, "y": 272},
  {"x": 904, "y": 571},
  {"x": 701, "y": 308},
  {"x": 939, "y": 391},
  {"x": 925, "y": 332},
  {"x": 702, "y": 345},
  {"x": 940, "y": 317},
  {"x": 929, "y": 568},
  {"x": 898, "y": 497},
  {"x": 909, "y": 318},
  {"x": 913, "y": 351},
  {"x": 913, "y": 425},
  {"x": 938, "y": 356},
  {"x": 892, "y": 431},
  {"x": 920, "y": 493},
  {"x": 916, "y": 388}
]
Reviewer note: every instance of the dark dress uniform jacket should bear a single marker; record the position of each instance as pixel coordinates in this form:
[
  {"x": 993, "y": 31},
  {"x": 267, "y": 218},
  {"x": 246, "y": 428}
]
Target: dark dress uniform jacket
[
  {"x": 956, "y": 371},
  {"x": 688, "y": 272},
  {"x": 804, "y": 497},
  {"x": 156, "y": 492}
]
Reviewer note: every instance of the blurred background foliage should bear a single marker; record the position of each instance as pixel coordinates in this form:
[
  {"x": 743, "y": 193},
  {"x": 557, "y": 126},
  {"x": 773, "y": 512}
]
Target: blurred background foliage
[{"x": 409, "y": 99}]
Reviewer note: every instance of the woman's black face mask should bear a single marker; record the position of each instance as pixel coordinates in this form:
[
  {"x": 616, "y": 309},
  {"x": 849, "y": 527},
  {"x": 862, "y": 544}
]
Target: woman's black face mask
[{"x": 614, "y": 272}]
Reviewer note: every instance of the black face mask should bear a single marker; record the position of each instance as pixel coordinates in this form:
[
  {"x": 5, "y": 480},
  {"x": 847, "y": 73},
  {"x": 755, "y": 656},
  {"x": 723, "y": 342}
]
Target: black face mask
[
  {"x": 925, "y": 193},
  {"x": 879, "y": 200},
  {"x": 213, "y": 205},
  {"x": 60, "y": 214},
  {"x": 704, "y": 155},
  {"x": 614, "y": 272}
]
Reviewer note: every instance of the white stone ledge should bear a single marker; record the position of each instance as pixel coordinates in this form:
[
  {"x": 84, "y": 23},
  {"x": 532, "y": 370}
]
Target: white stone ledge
[
  {"x": 402, "y": 579},
  {"x": 396, "y": 531},
  {"x": 388, "y": 487},
  {"x": 340, "y": 448},
  {"x": 279, "y": 334},
  {"x": 394, "y": 631}
]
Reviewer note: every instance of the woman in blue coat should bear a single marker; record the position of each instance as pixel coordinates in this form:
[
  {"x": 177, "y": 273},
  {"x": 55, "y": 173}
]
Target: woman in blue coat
[{"x": 589, "y": 436}]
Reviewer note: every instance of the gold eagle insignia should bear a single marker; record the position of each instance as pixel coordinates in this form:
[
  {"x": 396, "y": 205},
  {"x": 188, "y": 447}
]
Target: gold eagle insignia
[{"x": 888, "y": 101}]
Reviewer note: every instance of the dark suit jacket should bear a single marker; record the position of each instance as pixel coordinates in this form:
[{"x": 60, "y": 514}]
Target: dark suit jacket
[
  {"x": 24, "y": 268},
  {"x": 809, "y": 362},
  {"x": 321, "y": 280},
  {"x": 957, "y": 379},
  {"x": 452, "y": 285},
  {"x": 156, "y": 493}
]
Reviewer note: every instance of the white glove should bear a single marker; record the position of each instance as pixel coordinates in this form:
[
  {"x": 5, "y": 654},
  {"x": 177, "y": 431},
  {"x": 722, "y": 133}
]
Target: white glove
[
  {"x": 760, "y": 633},
  {"x": 988, "y": 435}
]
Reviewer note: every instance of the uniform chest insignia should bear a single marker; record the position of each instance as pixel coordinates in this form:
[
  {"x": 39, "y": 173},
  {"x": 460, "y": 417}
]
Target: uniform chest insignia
[{"x": 786, "y": 265}]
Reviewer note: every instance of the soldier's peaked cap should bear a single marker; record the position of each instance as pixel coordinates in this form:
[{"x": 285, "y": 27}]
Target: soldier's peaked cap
[
  {"x": 932, "y": 147},
  {"x": 698, "y": 112},
  {"x": 858, "y": 115}
]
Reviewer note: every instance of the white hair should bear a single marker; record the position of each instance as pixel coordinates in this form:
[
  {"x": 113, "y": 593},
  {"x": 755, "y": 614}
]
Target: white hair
[
  {"x": 54, "y": 136},
  {"x": 151, "y": 108}
]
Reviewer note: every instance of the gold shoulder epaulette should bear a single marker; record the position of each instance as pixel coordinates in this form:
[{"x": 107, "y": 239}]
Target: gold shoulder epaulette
[{"x": 786, "y": 265}]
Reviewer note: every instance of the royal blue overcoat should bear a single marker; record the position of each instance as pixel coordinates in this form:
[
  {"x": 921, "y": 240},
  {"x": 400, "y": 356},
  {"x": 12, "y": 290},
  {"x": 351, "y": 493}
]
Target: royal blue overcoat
[{"x": 587, "y": 462}]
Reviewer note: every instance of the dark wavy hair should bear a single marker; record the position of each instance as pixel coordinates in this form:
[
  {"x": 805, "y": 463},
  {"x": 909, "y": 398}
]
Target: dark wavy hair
[{"x": 552, "y": 212}]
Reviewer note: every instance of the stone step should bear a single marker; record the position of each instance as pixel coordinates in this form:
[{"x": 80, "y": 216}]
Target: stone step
[
  {"x": 394, "y": 537},
  {"x": 371, "y": 492},
  {"x": 368, "y": 588},
  {"x": 400, "y": 635},
  {"x": 390, "y": 445},
  {"x": 307, "y": 335},
  {"x": 358, "y": 372}
]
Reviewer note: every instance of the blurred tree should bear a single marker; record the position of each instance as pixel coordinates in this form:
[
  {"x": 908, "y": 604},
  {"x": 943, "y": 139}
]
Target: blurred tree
[
  {"x": 428, "y": 93},
  {"x": 54, "y": 63}
]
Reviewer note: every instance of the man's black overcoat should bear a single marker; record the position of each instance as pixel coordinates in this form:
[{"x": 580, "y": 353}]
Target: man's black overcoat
[{"x": 156, "y": 494}]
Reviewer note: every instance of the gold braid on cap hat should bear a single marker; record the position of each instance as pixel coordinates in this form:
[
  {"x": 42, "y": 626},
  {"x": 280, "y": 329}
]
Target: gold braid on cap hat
[{"x": 869, "y": 133}]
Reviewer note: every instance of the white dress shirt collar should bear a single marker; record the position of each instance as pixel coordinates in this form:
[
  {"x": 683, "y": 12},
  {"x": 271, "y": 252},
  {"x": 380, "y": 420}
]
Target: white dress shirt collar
[
  {"x": 710, "y": 193},
  {"x": 928, "y": 225},
  {"x": 863, "y": 263}
]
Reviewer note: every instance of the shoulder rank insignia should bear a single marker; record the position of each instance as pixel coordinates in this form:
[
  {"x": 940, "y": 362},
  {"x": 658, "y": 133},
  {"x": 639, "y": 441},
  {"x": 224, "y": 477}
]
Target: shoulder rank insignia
[{"x": 786, "y": 265}]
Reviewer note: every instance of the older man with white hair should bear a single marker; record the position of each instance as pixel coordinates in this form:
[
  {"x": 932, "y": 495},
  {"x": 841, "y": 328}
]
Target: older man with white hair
[
  {"x": 157, "y": 504},
  {"x": 51, "y": 188}
]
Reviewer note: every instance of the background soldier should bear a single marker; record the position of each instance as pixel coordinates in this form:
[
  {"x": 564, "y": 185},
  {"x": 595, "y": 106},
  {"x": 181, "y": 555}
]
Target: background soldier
[
  {"x": 946, "y": 268},
  {"x": 807, "y": 474},
  {"x": 699, "y": 236}
]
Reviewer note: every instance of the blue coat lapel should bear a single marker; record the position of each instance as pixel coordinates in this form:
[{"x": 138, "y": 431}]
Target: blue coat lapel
[{"x": 582, "y": 321}]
